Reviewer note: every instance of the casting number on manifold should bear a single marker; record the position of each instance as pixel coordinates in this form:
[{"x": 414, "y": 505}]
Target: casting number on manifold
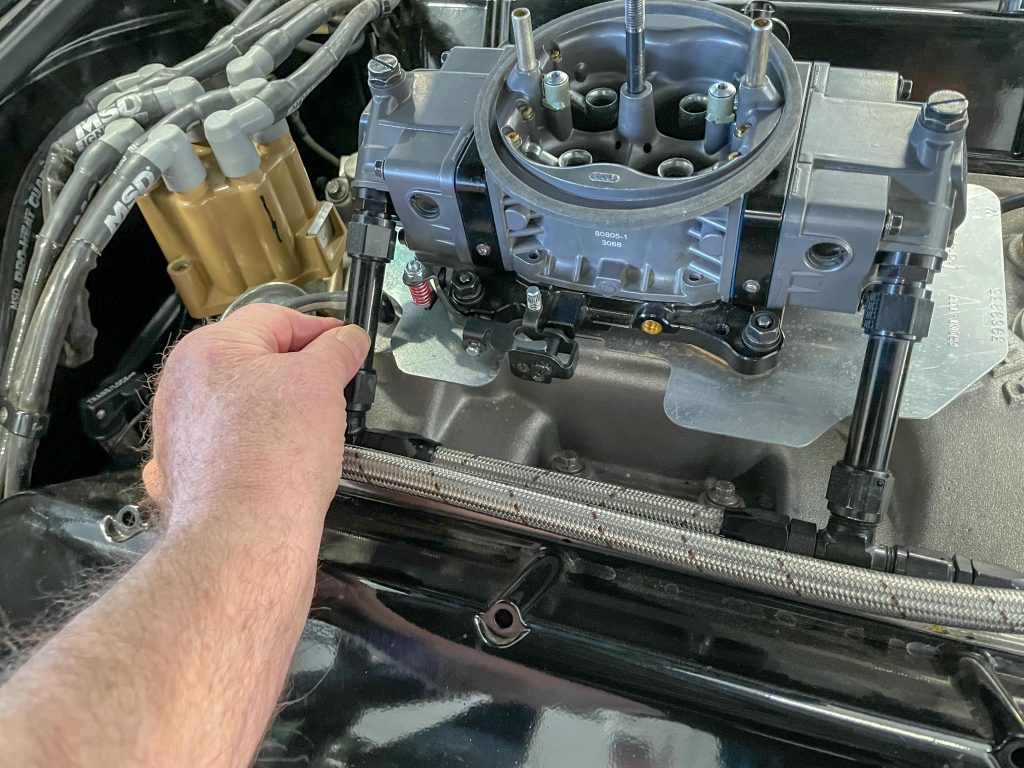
[
  {"x": 611, "y": 239},
  {"x": 997, "y": 315}
]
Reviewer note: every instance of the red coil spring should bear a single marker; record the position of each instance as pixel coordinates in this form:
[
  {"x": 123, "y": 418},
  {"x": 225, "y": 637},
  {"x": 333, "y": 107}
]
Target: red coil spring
[{"x": 422, "y": 294}]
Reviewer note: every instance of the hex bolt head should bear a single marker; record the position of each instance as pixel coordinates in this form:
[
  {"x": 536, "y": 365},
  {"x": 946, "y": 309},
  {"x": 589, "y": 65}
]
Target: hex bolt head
[
  {"x": 567, "y": 462},
  {"x": 384, "y": 70},
  {"x": 724, "y": 494},
  {"x": 474, "y": 349},
  {"x": 414, "y": 270},
  {"x": 483, "y": 249},
  {"x": 336, "y": 190},
  {"x": 945, "y": 112},
  {"x": 893, "y": 224}
]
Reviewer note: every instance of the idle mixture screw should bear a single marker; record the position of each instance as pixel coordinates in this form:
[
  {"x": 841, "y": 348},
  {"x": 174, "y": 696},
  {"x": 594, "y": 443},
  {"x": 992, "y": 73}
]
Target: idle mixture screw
[
  {"x": 534, "y": 299},
  {"x": 945, "y": 112}
]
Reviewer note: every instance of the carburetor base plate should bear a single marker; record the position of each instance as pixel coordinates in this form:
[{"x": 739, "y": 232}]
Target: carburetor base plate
[{"x": 813, "y": 386}]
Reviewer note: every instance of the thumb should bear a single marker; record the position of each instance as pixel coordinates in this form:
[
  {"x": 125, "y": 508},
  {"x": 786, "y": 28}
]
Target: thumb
[{"x": 342, "y": 349}]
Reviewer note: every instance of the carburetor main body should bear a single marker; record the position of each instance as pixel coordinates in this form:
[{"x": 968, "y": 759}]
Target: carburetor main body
[{"x": 726, "y": 183}]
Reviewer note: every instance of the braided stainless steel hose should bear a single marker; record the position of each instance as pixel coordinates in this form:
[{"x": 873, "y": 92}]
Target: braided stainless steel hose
[
  {"x": 650, "y": 506},
  {"x": 795, "y": 577}
]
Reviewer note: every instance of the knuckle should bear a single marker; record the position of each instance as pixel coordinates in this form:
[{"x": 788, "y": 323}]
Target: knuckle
[{"x": 258, "y": 313}]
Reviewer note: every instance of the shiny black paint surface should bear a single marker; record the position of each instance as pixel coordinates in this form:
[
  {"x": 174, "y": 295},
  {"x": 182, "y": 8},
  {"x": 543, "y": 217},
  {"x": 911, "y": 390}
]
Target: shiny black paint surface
[{"x": 625, "y": 665}]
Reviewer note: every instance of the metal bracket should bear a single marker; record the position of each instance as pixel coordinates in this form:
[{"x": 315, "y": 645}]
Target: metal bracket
[
  {"x": 22, "y": 423},
  {"x": 502, "y": 624},
  {"x": 541, "y": 361},
  {"x": 130, "y": 521}
]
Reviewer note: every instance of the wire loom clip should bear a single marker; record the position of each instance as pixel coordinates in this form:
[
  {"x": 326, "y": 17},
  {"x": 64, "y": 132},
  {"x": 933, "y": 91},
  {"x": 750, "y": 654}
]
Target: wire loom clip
[{"x": 22, "y": 423}]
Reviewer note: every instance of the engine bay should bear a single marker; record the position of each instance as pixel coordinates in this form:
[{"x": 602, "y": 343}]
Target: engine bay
[{"x": 667, "y": 305}]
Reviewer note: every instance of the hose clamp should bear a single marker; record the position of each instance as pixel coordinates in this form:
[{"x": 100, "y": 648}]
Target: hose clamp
[{"x": 22, "y": 423}]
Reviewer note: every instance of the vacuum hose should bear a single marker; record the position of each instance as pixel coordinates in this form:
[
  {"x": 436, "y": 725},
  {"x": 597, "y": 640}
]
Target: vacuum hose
[{"x": 685, "y": 549}]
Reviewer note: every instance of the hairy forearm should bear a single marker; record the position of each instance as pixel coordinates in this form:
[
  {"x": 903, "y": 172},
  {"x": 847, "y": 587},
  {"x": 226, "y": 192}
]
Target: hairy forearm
[{"x": 181, "y": 662}]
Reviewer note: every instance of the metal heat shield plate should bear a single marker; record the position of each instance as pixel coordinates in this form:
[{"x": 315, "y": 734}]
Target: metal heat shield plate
[{"x": 814, "y": 384}]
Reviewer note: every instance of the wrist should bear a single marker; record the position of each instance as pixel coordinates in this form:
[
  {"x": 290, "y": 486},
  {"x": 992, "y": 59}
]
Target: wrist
[{"x": 254, "y": 527}]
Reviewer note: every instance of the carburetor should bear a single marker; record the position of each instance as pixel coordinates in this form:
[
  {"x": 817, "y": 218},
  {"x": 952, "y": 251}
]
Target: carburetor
[
  {"x": 669, "y": 172},
  {"x": 670, "y": 169}
]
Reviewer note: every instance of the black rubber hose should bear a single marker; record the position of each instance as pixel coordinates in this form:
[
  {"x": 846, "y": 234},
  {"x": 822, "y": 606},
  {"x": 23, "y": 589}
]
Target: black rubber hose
[
  {"x": 24, "y": 220},
  {"x": 1012, "y": 202}
]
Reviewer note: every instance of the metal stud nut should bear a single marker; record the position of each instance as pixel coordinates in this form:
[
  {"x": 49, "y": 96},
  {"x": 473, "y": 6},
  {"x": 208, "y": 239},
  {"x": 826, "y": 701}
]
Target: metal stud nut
[{"x": 763, "y": 332}]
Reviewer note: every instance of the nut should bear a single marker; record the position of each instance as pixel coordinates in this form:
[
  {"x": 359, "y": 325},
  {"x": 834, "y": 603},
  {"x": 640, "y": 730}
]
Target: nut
[
  {"x": 466, "y": 288},
  {"x": 763, "y": 332}
]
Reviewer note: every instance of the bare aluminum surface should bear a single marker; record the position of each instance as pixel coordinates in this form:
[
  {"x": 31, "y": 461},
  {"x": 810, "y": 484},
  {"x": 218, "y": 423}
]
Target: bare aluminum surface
[
  {"x": 814, "y": 385},
  {"x": 425, "y": 342}
]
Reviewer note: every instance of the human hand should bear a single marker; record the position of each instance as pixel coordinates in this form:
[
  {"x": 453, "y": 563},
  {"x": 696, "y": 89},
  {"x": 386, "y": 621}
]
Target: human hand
[{"x": 249, "y": 413}]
